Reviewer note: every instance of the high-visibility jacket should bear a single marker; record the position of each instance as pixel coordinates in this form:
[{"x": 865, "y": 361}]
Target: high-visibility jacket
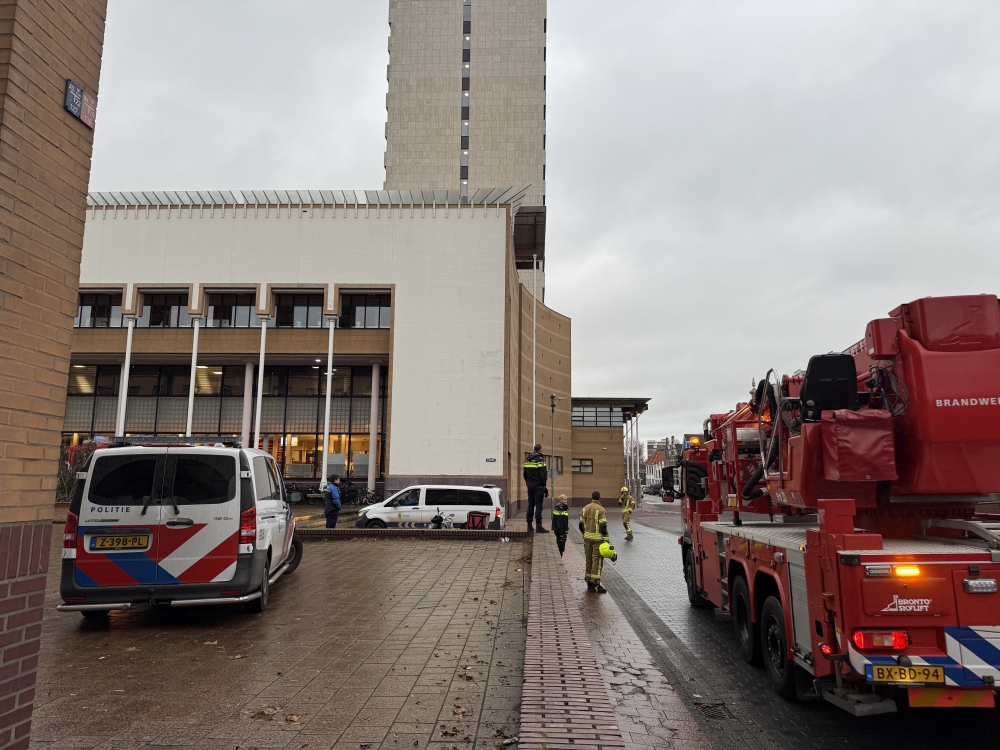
[
  {"x": 627, "y": 503},
  {"x": 560, "y": 519},
  {"x": 594, "y": 523},
  {"x": 535, "y": 472}
]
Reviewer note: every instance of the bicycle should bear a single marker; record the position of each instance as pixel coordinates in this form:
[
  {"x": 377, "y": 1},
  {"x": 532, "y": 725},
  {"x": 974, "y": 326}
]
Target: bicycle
[{"x": 368, "y": 496}]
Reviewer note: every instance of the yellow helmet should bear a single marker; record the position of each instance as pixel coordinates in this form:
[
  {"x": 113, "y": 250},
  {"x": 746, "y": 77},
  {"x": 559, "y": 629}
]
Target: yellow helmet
[
  {"x": 624, "y": 489},
  {"x": 608, "y": 550}
]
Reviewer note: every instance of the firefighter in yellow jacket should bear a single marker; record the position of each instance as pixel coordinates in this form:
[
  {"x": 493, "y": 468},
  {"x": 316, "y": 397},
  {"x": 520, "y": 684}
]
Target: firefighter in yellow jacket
[
  {"x": 594, "y": 527},
  {"x": 627, "y": 503}
]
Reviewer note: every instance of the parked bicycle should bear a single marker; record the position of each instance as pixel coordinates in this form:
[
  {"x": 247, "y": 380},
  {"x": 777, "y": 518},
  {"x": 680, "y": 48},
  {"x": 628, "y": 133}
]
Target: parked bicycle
[
  {"x": 368, "y": 496},
  {"x": 297, "y": 496}
]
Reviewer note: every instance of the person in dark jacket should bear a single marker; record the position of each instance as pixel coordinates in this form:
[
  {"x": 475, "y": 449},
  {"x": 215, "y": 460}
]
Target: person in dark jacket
[
  {"x": 560, "y": 522},
  {"x": 535, "y": 477},
  {"x": 331, "y": 501}
]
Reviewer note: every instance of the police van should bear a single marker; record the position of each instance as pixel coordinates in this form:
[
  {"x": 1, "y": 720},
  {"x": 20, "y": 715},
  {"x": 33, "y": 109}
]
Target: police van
[
  {"x": 416, "y": 506},
  {"x": 157, "y": 521}
]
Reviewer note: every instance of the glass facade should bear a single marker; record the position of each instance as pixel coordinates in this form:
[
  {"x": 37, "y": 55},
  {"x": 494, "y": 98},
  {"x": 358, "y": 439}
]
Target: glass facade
[
  {"x": 231, "y": 311},
  {"x": 298, "y": 311},
  {"x": 164, "y": 311},
  {"x": 291, "y": 414}
]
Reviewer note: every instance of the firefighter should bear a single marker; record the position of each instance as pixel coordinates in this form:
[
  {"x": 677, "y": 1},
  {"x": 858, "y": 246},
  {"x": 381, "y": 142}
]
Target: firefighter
[
  {"x": 627, "y": 503},
  {"x": 594, "y": 526},
  {"x": 535, "y": 477},
  {"x": 560, "y": 522}
]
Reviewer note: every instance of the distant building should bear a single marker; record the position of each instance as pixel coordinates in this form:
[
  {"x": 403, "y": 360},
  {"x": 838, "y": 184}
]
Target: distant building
[{"x": 466, "y": 107}]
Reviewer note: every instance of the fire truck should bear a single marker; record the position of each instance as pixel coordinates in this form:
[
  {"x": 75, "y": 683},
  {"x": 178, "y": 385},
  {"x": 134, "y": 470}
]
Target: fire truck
[{"x": 841, "y": 516}]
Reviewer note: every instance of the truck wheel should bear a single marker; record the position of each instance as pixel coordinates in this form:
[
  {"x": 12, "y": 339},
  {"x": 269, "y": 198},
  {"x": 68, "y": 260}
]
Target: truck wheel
[
  {"x": 780, "y": 669},
  {"x": 696, "y": 599},
  {"x": 747, "y": 631},
  {"x": 295, "y": 554}
]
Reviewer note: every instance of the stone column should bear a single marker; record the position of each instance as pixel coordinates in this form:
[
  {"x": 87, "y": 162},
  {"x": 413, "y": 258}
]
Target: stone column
[
  {"x": 332, "y": 322},
  {"x": 260, "y": 382},
  {"x": 195, "y": 322},
  {"x": 123, "y": 380},
  {"x": 247, "y": 404},
  {"x": 373, "y": 429},
  {"x": 45, "y": 153}
]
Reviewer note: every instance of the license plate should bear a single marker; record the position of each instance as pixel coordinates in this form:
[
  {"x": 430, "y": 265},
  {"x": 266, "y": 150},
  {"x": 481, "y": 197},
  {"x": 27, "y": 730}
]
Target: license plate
[
  {"x": 919, "y": 675},
  {"x": 126, "y": 541}
]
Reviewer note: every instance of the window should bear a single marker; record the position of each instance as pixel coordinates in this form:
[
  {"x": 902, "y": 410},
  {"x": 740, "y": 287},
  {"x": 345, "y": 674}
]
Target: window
[
  {"x": 597, "y": 416},
  {"x": 408, "y": 498},
  {"x": 299, "y": 311},
  {"x": 365, "y": 311},
  {"x": 123, "y": 480},
  {"x": 583, "y": 466},
  {"x": 164, "y": 311},
  {"x": 99, "y": 311},
  {"x": 204, "y": 480},
  {"x": 441, "y": 498},
  {"x": 475, "y": 497},
  {"x": 262, "y": 480},
  {"x": 231, "y": 311}
]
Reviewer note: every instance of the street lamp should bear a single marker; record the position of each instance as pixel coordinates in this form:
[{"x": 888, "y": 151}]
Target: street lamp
[{"x": 554, "y": 471}]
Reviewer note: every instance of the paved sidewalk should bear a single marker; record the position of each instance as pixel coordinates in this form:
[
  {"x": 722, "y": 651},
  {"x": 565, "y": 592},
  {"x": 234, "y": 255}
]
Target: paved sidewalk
[{"x": 369, "y": 645}]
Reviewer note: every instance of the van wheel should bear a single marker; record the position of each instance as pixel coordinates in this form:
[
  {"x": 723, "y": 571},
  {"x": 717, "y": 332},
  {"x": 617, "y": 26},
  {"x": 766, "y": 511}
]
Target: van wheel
[
  {"x": 295, "y": 554},
  {"x": 260, "y": 604},
  {"x": 747, "y": 631},
  {"x": 780, "y": 669},
  {"x": 375, "y": 524}
]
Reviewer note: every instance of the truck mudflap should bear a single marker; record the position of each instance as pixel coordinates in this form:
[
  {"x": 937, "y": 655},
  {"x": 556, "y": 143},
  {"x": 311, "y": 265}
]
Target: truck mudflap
[{"x": 972, "y": 659}]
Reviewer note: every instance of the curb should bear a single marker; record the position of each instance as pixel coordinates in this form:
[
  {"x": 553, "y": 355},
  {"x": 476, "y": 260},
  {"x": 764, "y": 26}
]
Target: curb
[{"x": 459, "y": 535}]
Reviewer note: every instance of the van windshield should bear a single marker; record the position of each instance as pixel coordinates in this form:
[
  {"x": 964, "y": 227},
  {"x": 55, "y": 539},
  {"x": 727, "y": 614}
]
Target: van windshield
[{"x": 123, "y": 480}]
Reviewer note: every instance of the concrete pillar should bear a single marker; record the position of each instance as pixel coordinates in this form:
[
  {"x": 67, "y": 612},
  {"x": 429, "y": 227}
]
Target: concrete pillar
[
  {"x": 373, "y": 428},
  {"x": 194, "y": 371},
  {"x": 247, "y": 404},
  {"x": 45, "y": 156},
  {"x": 123, "y": 380},
  {"x": 260, "y": 382},
  {"x": 332, "y": 322}
]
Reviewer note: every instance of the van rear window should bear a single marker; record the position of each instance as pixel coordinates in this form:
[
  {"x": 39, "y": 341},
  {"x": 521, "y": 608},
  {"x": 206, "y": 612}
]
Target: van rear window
[
  {"x": 204, "y": 479},
  {"x": 122, "y": 480}
]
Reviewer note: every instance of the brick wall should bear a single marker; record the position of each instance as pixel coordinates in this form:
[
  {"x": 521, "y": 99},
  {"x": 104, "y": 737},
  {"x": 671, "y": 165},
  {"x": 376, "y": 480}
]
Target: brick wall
[{"x": 44, "y": 172}]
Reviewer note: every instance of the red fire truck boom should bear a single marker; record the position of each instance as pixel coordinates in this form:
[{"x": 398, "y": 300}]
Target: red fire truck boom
[{"x": 839, "y": 516}]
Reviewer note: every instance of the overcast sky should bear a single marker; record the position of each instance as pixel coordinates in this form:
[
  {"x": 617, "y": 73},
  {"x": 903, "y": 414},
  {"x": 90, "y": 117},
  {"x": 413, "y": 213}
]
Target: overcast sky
[{"x": 731, "y": 186}]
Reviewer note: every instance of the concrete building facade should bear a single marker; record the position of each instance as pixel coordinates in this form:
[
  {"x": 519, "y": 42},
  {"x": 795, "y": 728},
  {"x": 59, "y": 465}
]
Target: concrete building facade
[{"x": 466, "y": 101}]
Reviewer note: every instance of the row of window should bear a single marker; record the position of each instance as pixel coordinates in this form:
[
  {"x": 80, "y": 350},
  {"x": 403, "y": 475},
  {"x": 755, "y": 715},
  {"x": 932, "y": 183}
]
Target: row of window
[
  {"x": 463, "y": 161},
  {"x": 237, "y": 310},
  {"x": 597, "y": 416},
  {"x": 222, "y": 380}
]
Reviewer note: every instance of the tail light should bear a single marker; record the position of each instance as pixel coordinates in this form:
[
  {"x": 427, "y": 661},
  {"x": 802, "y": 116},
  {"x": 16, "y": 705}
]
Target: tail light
[
  {"x": 498, "y": 513},
  {"x": 248, "y": 526},
  {"x": 893, "y": 640},
  {"x": 69, "y": 533}
]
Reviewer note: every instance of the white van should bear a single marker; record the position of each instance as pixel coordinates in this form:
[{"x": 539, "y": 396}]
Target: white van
[
  {"x": 415, "y": 506},
  {"x": 176, "y": 524}
]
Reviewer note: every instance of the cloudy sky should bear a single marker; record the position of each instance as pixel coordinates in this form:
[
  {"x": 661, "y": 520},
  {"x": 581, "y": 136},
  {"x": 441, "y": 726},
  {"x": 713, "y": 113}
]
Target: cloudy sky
[{"x": 732, "y": 186}]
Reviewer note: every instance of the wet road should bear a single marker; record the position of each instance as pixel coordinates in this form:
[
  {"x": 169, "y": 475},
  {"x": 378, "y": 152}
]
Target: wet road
[{"x": 697, "y": 652}]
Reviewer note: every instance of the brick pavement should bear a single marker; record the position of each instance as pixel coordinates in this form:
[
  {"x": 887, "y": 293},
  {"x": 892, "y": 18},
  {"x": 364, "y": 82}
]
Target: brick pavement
[
  {"x": 648, "y": 710},
  {"x": 370, "y": 645},
  {"x": 564, "y": 703}
]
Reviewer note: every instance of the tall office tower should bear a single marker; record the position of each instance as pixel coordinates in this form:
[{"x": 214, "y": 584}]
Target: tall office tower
[
  {"x": 466, "y": 103},
  {"x": 466, "y": 107}
]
